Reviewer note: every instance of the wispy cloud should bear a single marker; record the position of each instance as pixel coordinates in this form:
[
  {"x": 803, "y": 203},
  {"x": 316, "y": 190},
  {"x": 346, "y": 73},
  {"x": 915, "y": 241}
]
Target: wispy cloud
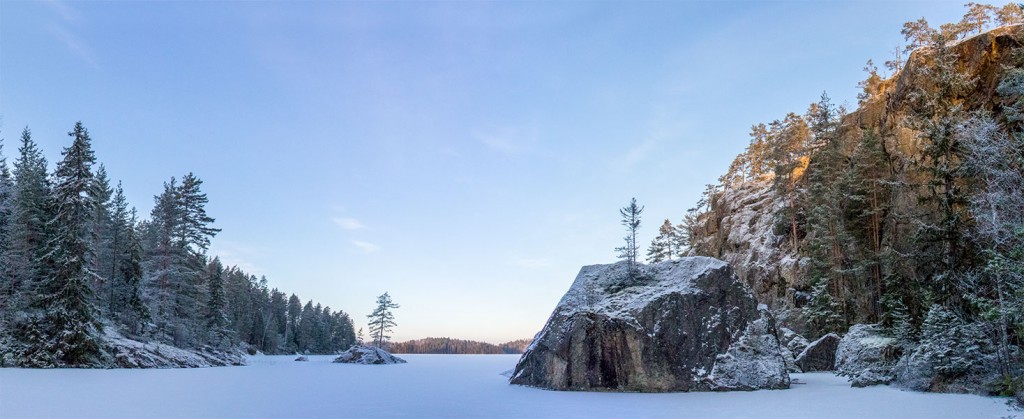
[
  {"x": 348, "y": 223},
  {"x": 76, "y": 45},
  {"x": 63, "y": 31},
  {"x": 365, "y": 247}
]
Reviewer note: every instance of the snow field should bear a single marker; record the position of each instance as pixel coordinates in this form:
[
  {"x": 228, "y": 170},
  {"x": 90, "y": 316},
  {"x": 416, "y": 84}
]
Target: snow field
[{"x": 432, "y": 386}]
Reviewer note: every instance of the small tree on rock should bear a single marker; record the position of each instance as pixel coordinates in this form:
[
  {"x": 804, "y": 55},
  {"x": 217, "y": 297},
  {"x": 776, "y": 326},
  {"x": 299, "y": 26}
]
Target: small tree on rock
[
  {"x": 382, "y": 320},
  {"x": 631, "y": 220}
]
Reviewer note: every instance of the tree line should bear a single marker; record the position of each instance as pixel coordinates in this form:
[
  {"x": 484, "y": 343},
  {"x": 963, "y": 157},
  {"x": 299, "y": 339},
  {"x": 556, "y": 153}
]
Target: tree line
[
  {"x": 76, "y": 261},
  {"x": 458, "y": 346}
]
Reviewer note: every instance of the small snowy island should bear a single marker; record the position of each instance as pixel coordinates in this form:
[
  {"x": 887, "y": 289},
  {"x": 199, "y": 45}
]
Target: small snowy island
[{"x": 367, "y": 355}]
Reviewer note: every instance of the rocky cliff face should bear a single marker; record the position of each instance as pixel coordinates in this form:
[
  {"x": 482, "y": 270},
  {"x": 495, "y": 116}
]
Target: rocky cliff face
[
  {"x": 686, "y": 325},
  {"x": 745, "y": 225}
]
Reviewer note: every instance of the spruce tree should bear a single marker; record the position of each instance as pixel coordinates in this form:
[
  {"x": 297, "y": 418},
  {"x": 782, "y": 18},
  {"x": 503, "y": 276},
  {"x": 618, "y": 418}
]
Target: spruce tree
[
  {"x": 382, "y": 320},
  {"x": 6, "y": 225},
  {"x": 31, "y": 213},
  {"x": 135, "y": 313},
  {"x": 216, "y": 319},
  {"x": 102, "y": 244},
  {"x": 71, "y": 323}
]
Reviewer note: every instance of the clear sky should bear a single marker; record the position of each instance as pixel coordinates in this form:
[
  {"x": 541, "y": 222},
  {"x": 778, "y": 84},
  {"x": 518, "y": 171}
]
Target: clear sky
[{"x": 467, "y": 157}]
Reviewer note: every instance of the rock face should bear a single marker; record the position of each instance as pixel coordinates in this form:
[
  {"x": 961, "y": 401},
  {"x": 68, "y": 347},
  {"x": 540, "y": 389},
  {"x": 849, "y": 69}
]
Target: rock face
[
  {"x": 820, "y": 355},
  {"x": 866, "y": 356},
  {"x": 367, "y": 355},
  {"x": 685, "y": 325},
  {"x": 792, "y": 344}
]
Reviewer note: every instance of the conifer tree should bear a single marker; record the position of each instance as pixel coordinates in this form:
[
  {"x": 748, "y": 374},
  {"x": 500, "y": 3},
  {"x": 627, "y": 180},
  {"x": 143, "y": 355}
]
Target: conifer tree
[
  {"x": 31, "y": 213},
  {"x": 382, "y": 320},
  {"x": 937, "y": 111},
  {"x": 6, "y": 225},
  {"x": 71, "y": 323},
  {"x": 663, "y": 247},
  {"x": 216, "y": 319},
  {"x": 631, "y": 220},
  {"x": 102, "y": 238},
  {"x": 135, "y": 313}
]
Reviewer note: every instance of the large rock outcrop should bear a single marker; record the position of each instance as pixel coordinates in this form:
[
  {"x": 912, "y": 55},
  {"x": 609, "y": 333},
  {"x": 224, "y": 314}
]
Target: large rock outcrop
[{"x": 685, "y": 325}]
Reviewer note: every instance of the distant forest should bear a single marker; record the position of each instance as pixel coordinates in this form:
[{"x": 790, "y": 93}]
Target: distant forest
[
  {"x": 458, "y": 346},
  {"x": 78, "y": 266}
]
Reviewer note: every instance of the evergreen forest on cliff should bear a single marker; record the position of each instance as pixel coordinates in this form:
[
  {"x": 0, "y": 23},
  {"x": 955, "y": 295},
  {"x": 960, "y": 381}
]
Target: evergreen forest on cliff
[{"x": 907, "y": 211}]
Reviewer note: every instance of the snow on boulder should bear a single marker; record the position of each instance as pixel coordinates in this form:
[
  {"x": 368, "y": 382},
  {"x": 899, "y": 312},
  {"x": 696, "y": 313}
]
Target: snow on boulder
[
  {"x": 129, "y": 353},
  {"x": 820, "y": 355},
  {"x": 302, "y": 358},
  {"x": 684, "y": 325},
  {"x": 866, "y": 356},
  {"x": 367, "y": 355},
  {"x": 792, "y": 344}
]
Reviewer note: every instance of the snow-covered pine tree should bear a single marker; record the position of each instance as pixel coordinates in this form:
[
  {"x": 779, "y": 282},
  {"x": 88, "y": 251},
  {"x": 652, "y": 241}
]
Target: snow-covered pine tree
[
  {"x": 70, "y": 322},
  {"x": 291, "y": 332},
  {"x": 162, "y": 261},
  {"x": 216, "y": 318},
  {"x": 135, "y": 313},
  {"x": 936, "y": 112},
  {"x": 31, "y": 212},
  {"x": 827, "y": 311},
  {"x": 6, "y": 224},
  {"x": 382, "y": 320},
  {"x": 631, "y": 220},
  {"x": 951, "y": 346},
  {"x": 102, "y": 228}
]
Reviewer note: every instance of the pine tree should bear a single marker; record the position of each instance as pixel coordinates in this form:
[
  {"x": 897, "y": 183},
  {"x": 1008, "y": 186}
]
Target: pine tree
[
  {"x": 216, "y": 319},
  {"x": 937, "y": 111},
  {"x": 1010, "y": 14},
  {"x": 163, "y": 259},
  {"x": 631, "y": 220},
  {"x": 291, "y": 333},
  {"x": 31, "y": 214},
  {"x": 102, "y": 239},
  {"x": 382, "y": 320},
  {"x": 71, "y": 322},
  {"x": 663, "y": 247},
  {"x": 135, "y": 313},
  {"x": 6, "y": 225}
]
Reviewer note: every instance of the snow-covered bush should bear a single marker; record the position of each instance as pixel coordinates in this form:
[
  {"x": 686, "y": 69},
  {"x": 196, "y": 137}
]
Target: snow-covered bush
[{"x": 953, "y": 356}]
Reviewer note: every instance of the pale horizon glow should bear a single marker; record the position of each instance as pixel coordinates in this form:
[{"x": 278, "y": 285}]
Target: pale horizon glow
[{"x": 466, "y": 157}]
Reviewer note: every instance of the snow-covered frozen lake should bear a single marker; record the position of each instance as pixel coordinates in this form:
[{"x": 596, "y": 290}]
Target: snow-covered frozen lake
[{"x": 448, "y": 386}]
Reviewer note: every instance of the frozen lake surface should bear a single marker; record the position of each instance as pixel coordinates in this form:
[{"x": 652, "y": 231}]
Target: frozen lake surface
[{"x": 449, "y": 386}]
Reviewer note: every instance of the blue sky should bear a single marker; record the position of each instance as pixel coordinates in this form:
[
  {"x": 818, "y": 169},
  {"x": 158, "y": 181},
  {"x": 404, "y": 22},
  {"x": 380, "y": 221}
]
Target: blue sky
[{"x": 467, "y": 157}]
